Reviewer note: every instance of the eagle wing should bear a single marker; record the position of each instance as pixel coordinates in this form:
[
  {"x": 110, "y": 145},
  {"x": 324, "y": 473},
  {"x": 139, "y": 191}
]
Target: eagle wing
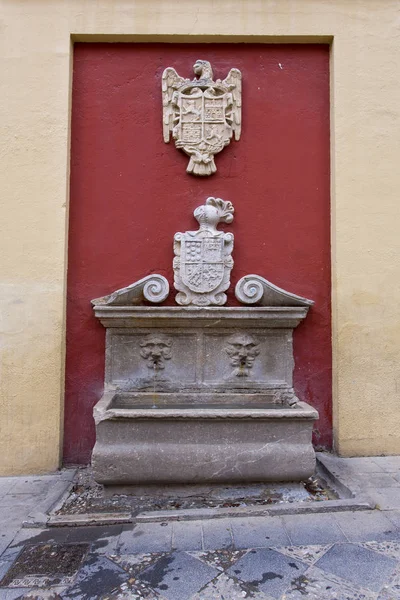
[
  {"x": 233, "y": 81},
  {"x": 171, "y": 81}
]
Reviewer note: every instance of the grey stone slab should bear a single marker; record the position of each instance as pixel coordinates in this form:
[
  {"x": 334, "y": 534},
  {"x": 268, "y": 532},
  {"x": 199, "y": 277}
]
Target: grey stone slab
[
  {"x": 4, "y": 566},
  {"x": 389, "y": 464},
  {"x": 217, "y": 534},
  {"x": 17, "y": 501},
  {"x": 49, "y": 593},
  {"x": 58, "y": 535},
  {"x": 267, "y": 570},
  {"x": 7, "y": 535},
  {"x": 364, "y": 464},
  {"x": 187, "y": 535},
  {"x": 104, "y": 539},
  {"x": 306, "y": 554},
  {"x": 358, "y": 565},
  {"x": 227, "y": 588},
  {"x": 178, "y": 576},
  {"x": 391, "y": 549},
  {"x": 381, "y": 480},
  {"x": 34, "y": 485},
  {"x": 391, "y": 589},
  {"x": 394, "y": 517},
  {"x": 97, "y": 576},
  {"x": 259, "y": 532},
  {"x": 12, "y": 593},
  {"x": 313, "y": 529},
  {"x": 366, "y": 525},
  {"x": 146, "y": 537},
  {"x": 316, "y": 584},
  {"x": 386, "y": 498},
  {"x": 7, "y": 484}
]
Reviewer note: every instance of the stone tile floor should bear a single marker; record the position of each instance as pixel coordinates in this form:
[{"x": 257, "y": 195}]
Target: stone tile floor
[{"x": 325, "y": 556}]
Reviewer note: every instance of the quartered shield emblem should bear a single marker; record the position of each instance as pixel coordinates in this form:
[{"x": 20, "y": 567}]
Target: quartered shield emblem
[
  {"x": 203, "y": 260},
  {"x": 202, "y": 115},
  {"x": 202, "y": 263}
]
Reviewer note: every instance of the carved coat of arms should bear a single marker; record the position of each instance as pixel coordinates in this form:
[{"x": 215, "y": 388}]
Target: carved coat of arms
[
  {"x": 202, "y": 115},
  {"x": 203, "y": 261}
]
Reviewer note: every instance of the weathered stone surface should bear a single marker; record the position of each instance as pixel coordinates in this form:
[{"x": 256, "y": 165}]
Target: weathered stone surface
[
  {"x": 215, "y": 404},
  {"x": 253, "y": 289},
  {"x": 203, "y": 261},
  {"x": 166, "y": 445},
  {"x": 153, "y": 288},
  {"x": 207, "y": 349},
  {"x": 202, "y": 115}
]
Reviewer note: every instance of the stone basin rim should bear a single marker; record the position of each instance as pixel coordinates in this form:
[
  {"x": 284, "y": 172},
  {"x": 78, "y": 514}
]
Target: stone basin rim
[{"x": 301, "y": 410}]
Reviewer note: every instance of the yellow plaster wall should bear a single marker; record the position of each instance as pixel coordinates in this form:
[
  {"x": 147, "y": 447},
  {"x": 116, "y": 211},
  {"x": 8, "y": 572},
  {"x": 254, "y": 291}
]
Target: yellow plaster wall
[{"x": 35, "y": 63}]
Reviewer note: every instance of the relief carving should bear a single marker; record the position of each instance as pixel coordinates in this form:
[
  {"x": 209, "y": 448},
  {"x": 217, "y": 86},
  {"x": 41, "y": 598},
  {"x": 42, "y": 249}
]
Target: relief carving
[
  {"x": 286, "y": 397},
  {"x": 156, "y": 349},
  {"x": 202, "y": 115},
  {"x": 203, "y": 261},
  {"x": 242, "y": 350}
]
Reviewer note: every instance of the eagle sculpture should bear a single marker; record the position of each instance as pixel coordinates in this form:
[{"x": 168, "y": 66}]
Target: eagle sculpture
[{"x": 201, "y": 114}]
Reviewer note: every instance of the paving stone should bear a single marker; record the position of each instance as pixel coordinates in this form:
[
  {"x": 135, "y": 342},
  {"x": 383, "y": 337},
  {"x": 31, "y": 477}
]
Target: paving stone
[
  {"x": 313, "y": 529},
  {"x": 259, "y": 532},
  {"x": 394, "y": 517},
  {"x": 364, "y": 464},
  {"x": 361, "y": 464},
  {"x": 12, "y": 593},
  {"x": 97, "y": 574},
  {"x": 187, "y": 535},
  {"x": 6, "y": 537},
  {"x": 221, "y": 559},
  {"x": 381, "y": 480},
  {"x": 391, "y": 549},
  {"x": 35, "y": 535},
  {"x": 146, "y": 537},
  {"x": 358, "y": 565},
  {"x": 36, "y": 486},
  {"x": 391, "y": 589},
  {"x": 387, "y": 498},
  {"x": 15, "y": 510},
  {"x": 389, "y": 464},
  {"x": 267, "y": 570},
  {"x": 44, "y": 594},
  {"x": 228, "y": 588},
  {"x": 133, "y": 590},
  {"x": 134, "y": 564},
  {"x": 6, "y": 485},
  {"x": 217, "y": 534},
  {"x": 315, "y": 584},
  {"x": 4, "y": 566},
  {"x": 363, "y": 526},
  {"x": 307, "y": 554},
  {"x": 178, "y": 576},
  {"x": 104, "y": 539}
]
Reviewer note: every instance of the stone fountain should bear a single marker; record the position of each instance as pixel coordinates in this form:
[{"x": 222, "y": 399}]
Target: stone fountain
[{"x": 201, "y": 392}]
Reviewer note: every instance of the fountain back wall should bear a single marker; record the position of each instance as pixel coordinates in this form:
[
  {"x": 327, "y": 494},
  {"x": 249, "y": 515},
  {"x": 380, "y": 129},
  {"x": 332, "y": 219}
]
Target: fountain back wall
[{"x": 129, "y": 190}]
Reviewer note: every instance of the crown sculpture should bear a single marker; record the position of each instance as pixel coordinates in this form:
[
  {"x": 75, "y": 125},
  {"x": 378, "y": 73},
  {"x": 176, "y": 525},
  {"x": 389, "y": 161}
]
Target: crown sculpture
[{"x": 202, "y": 114}]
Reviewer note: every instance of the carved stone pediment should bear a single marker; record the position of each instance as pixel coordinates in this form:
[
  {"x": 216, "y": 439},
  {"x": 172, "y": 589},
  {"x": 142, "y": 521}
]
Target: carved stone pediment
[
  {"x": 253, "y": 289},
  {"x": 153, "y": 288}
]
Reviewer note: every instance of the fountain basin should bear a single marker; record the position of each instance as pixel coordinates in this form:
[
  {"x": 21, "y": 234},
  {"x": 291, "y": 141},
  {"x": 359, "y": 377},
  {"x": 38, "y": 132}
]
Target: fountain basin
[{"x": 139, "y": 443}]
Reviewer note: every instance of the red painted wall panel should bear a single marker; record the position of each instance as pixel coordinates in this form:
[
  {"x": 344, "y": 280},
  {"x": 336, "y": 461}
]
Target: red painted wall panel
[{"x": 130, "y": 194}]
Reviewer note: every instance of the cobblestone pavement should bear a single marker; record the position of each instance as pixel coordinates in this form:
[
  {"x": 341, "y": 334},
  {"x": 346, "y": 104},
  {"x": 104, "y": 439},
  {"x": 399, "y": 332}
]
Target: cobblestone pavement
[{"x": 324, "y": 556}]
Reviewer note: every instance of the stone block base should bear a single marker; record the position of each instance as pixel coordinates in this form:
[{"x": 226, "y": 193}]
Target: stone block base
[{"x": 175, "y": 445}]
